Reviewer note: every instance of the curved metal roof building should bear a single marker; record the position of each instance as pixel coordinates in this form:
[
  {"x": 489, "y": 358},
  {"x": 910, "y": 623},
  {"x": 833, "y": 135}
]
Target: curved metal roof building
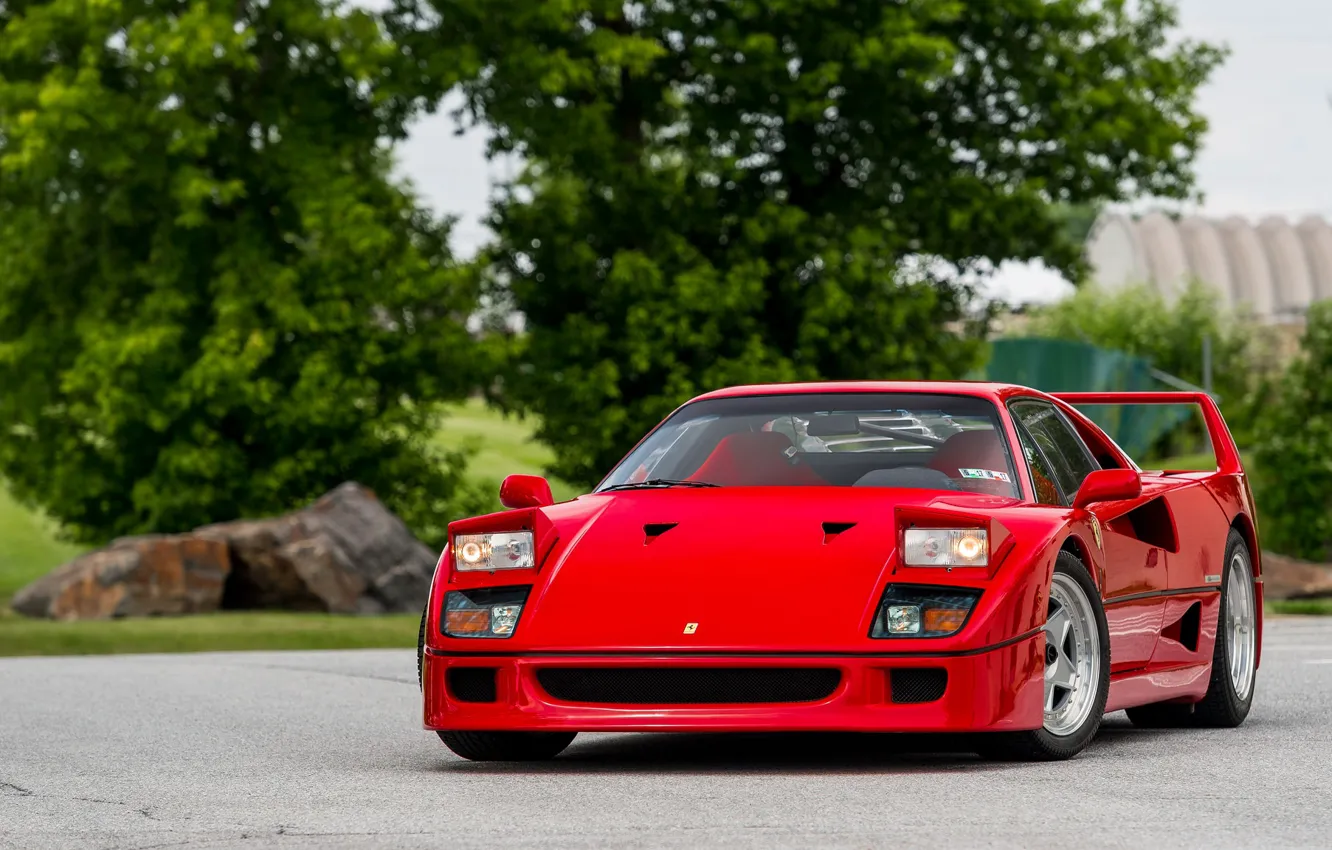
[{"x": 1275, "y": 268}]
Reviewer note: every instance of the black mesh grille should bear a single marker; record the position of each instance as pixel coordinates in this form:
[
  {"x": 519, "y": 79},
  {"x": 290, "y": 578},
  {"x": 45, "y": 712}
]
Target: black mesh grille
[
  {"x": 471, "y": 684},
  {"x": 923, "y": 684},
  {"x": 688, "y": 685}
]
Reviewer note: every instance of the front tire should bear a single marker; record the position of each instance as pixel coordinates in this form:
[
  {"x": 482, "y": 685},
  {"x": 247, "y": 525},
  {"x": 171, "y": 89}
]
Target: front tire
[
  {"x": 420, "y": 650},
  {"x": 507, "y": 746},
  {"x": 1077, "y": 672}
]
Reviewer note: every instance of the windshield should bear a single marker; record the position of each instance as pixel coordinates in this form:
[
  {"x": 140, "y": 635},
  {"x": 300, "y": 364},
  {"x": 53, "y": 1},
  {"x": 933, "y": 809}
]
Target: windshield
[{"x": 937, "y": 442}]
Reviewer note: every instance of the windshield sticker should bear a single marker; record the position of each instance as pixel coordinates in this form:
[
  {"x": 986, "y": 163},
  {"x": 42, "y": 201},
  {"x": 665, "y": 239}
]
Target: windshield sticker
[{"x": 987, "y": 474}]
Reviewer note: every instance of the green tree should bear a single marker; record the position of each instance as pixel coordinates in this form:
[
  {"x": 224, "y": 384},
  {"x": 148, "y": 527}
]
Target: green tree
[
  {"x": 1293, "y": 452},
  {"x": 756, "y": 190},
  {"x": 214, "y": 302}
]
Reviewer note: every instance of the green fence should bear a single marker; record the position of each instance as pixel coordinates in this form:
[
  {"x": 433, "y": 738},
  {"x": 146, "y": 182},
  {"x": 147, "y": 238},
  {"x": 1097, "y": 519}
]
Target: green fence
[{"x": 1056, "y": 365}]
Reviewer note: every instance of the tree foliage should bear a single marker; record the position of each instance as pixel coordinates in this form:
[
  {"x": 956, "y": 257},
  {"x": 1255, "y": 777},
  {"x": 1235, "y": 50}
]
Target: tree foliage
[
  {"x": 1293, "y": 452},
  {"x": 763, "y": 190},
  {"x": 213, "y": 300}
]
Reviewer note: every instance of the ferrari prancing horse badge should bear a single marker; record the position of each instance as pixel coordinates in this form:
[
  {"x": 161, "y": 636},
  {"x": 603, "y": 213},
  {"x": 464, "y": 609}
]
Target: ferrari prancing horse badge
[{"x": 690, "y": 628}]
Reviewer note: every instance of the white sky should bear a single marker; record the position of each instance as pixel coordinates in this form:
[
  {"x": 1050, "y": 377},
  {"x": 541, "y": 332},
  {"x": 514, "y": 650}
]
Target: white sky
[{"x": 1269, "y": 150}]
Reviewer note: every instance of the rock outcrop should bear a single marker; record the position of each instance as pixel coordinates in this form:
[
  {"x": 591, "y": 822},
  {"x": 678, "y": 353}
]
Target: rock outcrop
[
  {"x": 346, "y": 553},
  {"x": 1291, "y": 578}
]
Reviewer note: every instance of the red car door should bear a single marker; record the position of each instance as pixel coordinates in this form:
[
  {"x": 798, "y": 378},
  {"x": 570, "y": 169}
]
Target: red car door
[{"x": 1135, "y": 571}]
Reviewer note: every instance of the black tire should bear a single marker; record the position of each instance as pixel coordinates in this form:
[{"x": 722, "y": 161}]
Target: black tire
[
  {"x": 1221, "y": 707},
  {"x": 507, "y": 746},
  {"x": 1040, "y": 744},
  {"x": 420, "y": 650}
]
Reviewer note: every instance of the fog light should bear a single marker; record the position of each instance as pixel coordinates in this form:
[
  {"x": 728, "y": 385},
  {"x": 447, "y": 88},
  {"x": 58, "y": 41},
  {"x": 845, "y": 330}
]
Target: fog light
[
  {"x": 503, "y": 618},
  {"x": 491, "y": 612},
  {"x": 915, "y": 610},
  {"x": 904, "y": 619}
]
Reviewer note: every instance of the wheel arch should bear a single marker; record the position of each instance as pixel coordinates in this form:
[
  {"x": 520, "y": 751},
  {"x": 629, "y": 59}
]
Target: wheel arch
[
  {"x": 1076, "y": 546},
  {"x": 1243, "y": 523}
]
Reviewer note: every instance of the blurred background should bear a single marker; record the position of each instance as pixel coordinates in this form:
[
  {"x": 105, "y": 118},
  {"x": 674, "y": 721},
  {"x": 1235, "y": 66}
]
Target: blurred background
[{"x": 253, "y": 251}]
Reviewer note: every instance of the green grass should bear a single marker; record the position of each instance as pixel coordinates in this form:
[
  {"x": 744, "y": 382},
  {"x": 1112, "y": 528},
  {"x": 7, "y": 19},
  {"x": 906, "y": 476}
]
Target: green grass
[
  {"x": 1203, "y": 461},
  {"x": 1311, "y": 607},
  {"x": 229, "y": 631},
  {"x": 504, "y": 446},
  {"x": 28, "y": 548}
]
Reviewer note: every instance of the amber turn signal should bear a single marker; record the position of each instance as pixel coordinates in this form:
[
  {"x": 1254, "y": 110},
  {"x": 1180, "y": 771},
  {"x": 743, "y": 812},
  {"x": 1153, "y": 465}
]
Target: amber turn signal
[
  {"x": 467, "y": 621},
  {"x": 945, "y": 619}
]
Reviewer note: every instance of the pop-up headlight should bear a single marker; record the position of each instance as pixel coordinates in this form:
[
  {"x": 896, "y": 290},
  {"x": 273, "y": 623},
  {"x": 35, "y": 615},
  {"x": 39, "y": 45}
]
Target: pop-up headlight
[
  {"x": 509, "y": 550},
  {"x": 913, "y": 610},
  {"x": 486, "y": 613}
]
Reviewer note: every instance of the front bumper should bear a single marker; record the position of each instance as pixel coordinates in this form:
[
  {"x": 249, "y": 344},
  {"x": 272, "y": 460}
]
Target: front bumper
[{"x": 988, "y": 689}]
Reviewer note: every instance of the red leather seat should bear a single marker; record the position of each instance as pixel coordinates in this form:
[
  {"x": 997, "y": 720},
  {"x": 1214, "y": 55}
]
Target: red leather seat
[
  {"x": 981, "y": 449},
  {"x": 755, "y": 459}
]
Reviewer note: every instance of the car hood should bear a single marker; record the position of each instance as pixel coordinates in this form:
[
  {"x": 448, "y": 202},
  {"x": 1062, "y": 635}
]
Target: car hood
[{"x": 724, "y": 569}]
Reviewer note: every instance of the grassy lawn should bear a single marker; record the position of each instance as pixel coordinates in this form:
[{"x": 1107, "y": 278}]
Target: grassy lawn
[
  {"x": 1306, "y": 607},
  {"x": 229, "y": 631},
  {"x": 504, "y": 446},
  {"x": 28, "y": 550}
]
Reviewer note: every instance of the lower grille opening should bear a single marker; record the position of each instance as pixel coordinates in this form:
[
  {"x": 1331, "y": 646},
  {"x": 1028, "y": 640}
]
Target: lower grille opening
[
  {"x": 918, "y": 684},
  {"x": 471, "y": 684},
  {"x": 689, "y": 685}
]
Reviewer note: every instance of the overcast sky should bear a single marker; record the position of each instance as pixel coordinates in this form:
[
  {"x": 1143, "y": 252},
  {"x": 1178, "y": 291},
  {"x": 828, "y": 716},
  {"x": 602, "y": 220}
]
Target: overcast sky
[{"x": 1269, "y": 150}]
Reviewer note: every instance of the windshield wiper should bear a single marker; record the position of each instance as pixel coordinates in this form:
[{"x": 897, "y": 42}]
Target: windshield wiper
[{"x": 657, "y": 482}]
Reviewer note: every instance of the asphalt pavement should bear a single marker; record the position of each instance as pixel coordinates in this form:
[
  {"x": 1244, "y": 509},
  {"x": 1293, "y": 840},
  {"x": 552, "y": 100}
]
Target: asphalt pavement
[{"x": 325, "y": 749}]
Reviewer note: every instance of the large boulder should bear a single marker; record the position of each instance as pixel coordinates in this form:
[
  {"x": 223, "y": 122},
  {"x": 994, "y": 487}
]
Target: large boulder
[
  {"x": 1291, "y": 578},
  {"x": 136, "y": 576},
  {"x": 346, "y": 553}
]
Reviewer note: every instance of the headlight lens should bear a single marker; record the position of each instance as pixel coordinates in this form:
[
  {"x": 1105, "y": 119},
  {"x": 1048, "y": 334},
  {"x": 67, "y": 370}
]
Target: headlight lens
[
  {"x": 913, "y": 610},
  {"x": 946, "y": 547},
  {"x": 509, "y": 550},
  {"x": 488, "y": 613}
]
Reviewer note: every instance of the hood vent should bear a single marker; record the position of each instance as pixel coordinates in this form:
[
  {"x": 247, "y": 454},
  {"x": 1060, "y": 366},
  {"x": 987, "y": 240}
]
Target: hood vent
[
  {"x": 832, "y": 529},
  {"x": 653, "y": 530}
]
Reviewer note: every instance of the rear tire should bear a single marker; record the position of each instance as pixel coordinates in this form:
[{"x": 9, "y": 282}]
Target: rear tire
[
  {"x": 1230, "y": 693},
  {"x": 1234, "y": 661},
  {"x": 507, "y": 746},
  {"x": 1079, "y": 654}
]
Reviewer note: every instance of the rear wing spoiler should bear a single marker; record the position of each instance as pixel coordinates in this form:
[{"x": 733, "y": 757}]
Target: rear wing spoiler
[{"x": 1223, "y": 444}]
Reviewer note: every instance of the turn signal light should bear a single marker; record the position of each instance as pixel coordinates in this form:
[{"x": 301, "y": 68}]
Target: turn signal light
[
  {"x": 467, "y": 622},
  {"x": 945, "y": 619}
]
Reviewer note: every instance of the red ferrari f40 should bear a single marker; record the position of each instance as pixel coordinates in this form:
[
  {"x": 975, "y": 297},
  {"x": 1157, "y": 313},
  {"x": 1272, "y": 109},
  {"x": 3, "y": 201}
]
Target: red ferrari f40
[{"x": 871, "y": 557}]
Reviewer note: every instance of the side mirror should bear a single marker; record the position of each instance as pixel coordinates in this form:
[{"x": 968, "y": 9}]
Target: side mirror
[
  {"x": 525, "y": 491},
  {"x": 1108, "y": 485}
]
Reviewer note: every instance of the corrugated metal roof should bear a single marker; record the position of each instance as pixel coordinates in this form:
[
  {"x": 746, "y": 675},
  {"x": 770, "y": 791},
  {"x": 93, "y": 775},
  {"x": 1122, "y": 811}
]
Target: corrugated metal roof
[{"x": 1275, "y": 268}]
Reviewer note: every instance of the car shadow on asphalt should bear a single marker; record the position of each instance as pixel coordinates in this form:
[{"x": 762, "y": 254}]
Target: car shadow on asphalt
[
  {"x": 786, "y": 753},
  {"x": 792, "y": 753}
]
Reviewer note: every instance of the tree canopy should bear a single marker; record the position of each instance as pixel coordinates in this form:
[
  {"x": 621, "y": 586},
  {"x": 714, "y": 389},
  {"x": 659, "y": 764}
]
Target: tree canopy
[
  {"x": 761, "y": 190},
  {"x": 1293, "y": 449},
  {"x": 214, "y": 302}
]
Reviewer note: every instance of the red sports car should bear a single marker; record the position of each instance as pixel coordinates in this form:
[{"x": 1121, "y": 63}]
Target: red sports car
[{"x": 873, "y": 557}]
